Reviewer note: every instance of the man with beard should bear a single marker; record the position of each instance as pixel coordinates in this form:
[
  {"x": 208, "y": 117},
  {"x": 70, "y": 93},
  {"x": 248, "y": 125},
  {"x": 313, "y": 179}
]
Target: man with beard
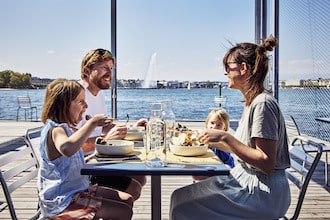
[{"x": 96, "y": 75}]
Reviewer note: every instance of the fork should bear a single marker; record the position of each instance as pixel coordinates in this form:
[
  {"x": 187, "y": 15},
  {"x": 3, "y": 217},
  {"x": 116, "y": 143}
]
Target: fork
[{"x": 127, "y": 119}]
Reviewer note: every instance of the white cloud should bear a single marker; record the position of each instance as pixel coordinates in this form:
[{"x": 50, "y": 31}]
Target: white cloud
[{"x": 51, "y": 52}]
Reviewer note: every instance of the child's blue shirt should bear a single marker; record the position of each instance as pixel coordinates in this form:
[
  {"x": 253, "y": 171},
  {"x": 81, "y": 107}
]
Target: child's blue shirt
[{"x": 225, "y": 157}]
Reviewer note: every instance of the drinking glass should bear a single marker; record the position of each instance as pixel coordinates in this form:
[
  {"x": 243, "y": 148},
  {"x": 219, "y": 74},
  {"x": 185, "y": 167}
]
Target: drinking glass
[
  {"x": 169, "y": 119},
  {"x": 155, "y": 143}
]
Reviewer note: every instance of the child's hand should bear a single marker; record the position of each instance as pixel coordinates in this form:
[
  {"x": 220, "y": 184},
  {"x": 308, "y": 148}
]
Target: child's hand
[{"x": 101, "y": 120}]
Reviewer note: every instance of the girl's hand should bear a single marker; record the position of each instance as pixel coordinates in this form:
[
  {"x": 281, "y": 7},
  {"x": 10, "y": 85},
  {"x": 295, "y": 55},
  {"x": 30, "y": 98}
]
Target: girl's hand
[{"x": 101, "y": 120}]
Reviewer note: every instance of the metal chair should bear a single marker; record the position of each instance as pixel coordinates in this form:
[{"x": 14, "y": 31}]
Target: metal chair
[
  {"x": 302, "y": 168},
  {"x": 24, "y": 103},
  {"x": 18, "y": 166},
  {"x": 33, "y": 136},
  {"x": 312, "y": 149}
]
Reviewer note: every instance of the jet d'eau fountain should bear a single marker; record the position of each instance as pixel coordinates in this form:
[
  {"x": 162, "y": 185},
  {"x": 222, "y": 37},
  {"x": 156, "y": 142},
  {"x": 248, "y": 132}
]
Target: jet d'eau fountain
[{"x": 151, "y": 72}]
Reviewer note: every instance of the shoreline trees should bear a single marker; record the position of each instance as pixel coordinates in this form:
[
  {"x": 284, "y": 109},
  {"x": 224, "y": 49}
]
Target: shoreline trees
[{"x": 15, "y": 80}]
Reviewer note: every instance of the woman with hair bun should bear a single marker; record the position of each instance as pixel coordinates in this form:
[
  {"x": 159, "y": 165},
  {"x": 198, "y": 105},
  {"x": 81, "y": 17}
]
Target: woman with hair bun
[{"x": 257, "y": 187}]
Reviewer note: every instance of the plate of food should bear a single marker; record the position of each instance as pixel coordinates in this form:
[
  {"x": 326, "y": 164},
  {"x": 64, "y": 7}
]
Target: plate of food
[
  {"x": 135, "y": 133},
  {"x": 185, "y": 144},
  {"x": 113, "y": 147}
]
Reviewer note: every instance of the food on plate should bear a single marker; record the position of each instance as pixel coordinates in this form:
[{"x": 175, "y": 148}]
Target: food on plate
[
  {"x": 135, "y": 133},
  {"x": 113, "y": 147},
  {"x": 181, "y": 128},
  {"x": 184, "y": 142},
  {"x": 185, "y": 137},
  {"x": 100, "y": 141},
  {"x": 194, "y": 150}
]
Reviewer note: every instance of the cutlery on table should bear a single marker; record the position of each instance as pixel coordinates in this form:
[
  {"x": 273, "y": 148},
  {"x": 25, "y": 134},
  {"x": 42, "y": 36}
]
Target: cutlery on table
[{"x": 127, "y": 119}]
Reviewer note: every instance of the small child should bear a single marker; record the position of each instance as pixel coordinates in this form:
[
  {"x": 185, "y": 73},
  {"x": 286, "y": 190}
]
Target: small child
[
  {"x": 63, "y": 192},
  {"x": 219, "y": 119}
]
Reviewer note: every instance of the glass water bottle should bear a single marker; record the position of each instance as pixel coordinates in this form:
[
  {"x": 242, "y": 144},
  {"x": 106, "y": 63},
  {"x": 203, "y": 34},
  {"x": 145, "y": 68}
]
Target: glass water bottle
[{"x": 155, "y": 147}]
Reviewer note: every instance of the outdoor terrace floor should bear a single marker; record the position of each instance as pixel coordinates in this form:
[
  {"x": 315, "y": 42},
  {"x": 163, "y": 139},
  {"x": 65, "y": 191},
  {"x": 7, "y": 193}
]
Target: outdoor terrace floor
[{"x": 316, "y": 204}]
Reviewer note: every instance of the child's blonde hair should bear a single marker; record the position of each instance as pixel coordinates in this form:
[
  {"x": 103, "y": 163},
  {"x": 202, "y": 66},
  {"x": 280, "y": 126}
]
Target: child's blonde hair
[{"x": 222, "y": 116}]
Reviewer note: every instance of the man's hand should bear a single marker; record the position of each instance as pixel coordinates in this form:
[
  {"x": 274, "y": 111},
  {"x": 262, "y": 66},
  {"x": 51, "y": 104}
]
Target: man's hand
[
  {"x": 118, "y": 132},
  {"x": 141, "y": 122}
]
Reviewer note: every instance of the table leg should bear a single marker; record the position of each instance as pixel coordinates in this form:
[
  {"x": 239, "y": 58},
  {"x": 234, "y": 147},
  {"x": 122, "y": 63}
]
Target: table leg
[{"x": 156, "y": 202}]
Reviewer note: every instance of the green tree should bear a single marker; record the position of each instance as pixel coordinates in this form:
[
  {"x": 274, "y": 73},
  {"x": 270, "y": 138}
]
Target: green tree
[
  {"x": 20, "y": 81},
  {"x": 5, "y": 78}
]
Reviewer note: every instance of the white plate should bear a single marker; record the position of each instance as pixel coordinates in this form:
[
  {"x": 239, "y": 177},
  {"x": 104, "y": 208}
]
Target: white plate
[
  {"x": 188, "y": 150},
  {"x": 135, "y": 134},
  {"x": 114, "y": 147}
]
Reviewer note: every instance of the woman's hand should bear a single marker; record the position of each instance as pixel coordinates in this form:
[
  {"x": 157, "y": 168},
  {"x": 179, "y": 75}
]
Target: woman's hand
[
  {"x": 261, "y": 156},
  {"x": 216, "y": 138},
  {"x": 210, "y": 135}
]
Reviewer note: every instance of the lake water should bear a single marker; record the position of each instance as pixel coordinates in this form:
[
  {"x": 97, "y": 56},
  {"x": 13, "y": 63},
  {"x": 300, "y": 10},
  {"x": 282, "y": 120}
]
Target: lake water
[
  {"x": 187, "y": 104},
  {"x": 194, "y": 104}
]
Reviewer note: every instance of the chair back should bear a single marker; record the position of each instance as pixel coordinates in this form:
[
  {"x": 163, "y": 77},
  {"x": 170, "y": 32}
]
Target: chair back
[
  {"x": 18, "y": 166},
  {"x": 24, "y": 101},
  {"x": 295, "y": 124},
  {"x": 302, "y": 168},
  {"x": 33, "y": 135},
  {"x": 292, "y": 127}
]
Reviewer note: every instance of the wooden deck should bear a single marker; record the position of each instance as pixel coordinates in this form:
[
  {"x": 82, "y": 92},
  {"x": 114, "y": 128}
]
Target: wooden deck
[{"x": 316, "y": 204}]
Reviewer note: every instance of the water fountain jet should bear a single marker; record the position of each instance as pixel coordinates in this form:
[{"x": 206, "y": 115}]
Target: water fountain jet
[{"x": 152, "y": 70}]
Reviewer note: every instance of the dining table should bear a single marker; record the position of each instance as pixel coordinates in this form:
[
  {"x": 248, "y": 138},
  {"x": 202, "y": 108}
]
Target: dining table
[{"x": 207, "y": 164}]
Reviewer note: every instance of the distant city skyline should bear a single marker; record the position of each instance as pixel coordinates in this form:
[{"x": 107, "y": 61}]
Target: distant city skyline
[
  {"x": 49, "y": 38},
  {"x": 36, "y": 78}
]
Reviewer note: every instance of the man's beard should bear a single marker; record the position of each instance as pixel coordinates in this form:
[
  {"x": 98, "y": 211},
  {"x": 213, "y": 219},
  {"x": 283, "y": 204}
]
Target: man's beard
[{"x": 103, "y": 85}]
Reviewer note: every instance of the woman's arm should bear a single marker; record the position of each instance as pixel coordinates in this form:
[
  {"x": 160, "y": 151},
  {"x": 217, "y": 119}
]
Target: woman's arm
[{"x": 262, "y": 157}]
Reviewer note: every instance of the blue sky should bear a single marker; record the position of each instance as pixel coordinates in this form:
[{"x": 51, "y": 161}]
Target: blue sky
[{"x": 49, "y": 38}]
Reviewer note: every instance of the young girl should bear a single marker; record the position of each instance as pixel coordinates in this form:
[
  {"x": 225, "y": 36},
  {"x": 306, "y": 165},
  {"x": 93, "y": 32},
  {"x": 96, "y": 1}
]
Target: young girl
[
  {"x": 219, "y": 119},
  {"x": 64, "y": 193}
]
